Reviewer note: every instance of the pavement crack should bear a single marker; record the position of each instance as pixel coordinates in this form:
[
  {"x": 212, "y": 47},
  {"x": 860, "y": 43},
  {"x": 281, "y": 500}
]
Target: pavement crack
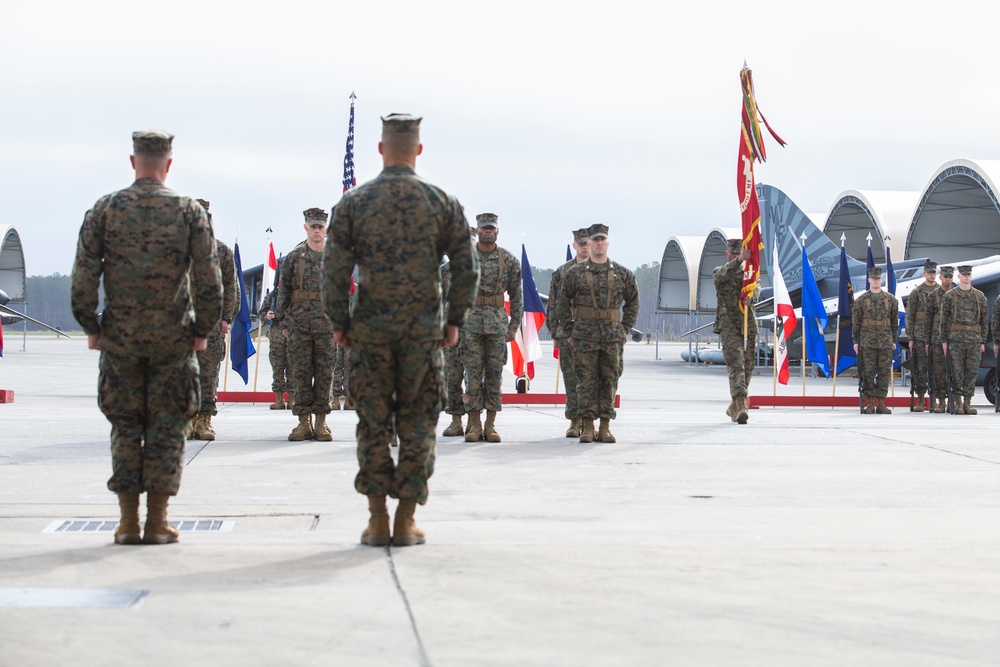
[{"x": 424, "y": 661}]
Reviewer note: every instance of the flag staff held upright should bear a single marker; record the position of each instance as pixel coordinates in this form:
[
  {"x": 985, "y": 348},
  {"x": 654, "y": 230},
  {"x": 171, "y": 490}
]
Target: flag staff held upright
[
  {"x": 805, "y": 325},
  {"x": 836, "y": 343}
]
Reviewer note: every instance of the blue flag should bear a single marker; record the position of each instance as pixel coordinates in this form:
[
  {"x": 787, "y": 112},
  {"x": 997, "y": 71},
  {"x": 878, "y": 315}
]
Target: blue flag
[
  {"x": 845, "y": 310},
  {"x": 569, "y": 253},
  {"x": 814, "y": 319},
  {"x": 890, "y": 279},
  {"x": 240, "y": 346},
  {"x": 869, "y": 265}
]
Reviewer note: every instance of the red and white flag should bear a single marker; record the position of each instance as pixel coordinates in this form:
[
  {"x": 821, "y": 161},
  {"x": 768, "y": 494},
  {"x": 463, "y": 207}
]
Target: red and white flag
[
  {"x": 270, "y": 270},
  {"x": 784, "y": 319}
]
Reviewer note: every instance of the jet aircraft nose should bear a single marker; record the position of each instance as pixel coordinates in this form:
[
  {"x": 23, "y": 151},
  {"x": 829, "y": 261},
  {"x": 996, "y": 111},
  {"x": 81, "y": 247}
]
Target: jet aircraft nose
[{"x": 3, "y": 298}]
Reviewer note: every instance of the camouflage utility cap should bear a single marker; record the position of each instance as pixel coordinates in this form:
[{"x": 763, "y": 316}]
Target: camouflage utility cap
[
  {"x": 965, "y": 269},
  {"x": 930, "y": 267},
  {"x": 947, "y": 270},
  {"x": 204, "y": 204},
  {"x": 875, "y": 272},
  {"x": 401, "y": 123},
  {"x": 487, "y": 220},
  {"x": 315, "y": 216},
  {"x": 735, "y": 246},
  {"x": 152, "y": 142},
  {"x": 597, "y": 230},
  {"x": 581, "y": 236}
]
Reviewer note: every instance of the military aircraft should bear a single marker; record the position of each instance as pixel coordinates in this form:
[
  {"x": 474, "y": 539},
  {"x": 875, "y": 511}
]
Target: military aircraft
[{"x": 11, "y": 316}]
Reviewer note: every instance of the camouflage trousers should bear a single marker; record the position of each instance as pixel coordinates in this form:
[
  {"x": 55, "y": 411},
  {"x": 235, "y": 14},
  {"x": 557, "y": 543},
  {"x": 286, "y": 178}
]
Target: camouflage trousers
[
  {"x": 310, "y": 356},
  {"x": 597, "y": 371},
  {"x": 876, "y": 370},
  {"x": 277, "y": 354},
  {"x": 149, "y": 407},
  {"x": 964, "y": 359},
  {"x": 939, "y": 377},
  {"x": 740, "y": 362},
  {"x": 209, "y": 361},
  {"x": 341, "y": 371},
  {"x": 484, "y": 356},
  {"x": 918, "y": 373},
  {"x": 566, "y": 357},
  {"x": 454, "y": 373},
  {"x": 401, "y": 381}
]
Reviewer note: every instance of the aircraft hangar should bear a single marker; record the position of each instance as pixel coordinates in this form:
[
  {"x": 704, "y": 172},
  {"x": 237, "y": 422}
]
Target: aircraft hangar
[
  {"x": 13, "y": 279},
  {"x": 956, "y": 216}
]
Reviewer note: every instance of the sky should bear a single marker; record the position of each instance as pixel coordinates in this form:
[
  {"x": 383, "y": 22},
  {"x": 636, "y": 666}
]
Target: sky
[{"x": 553, "y": 115}]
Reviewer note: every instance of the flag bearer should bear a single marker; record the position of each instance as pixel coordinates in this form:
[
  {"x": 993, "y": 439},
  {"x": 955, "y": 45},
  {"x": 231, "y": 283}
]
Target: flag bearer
[{"x": 740, "y": 360}]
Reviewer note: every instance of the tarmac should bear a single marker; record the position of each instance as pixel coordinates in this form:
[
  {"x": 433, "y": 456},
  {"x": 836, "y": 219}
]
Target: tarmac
[{"x": 811, "y": 536}]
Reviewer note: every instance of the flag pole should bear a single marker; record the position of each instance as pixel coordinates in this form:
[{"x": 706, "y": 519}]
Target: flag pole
[
  {"x": 805, "y": 327},
  {"x": 558, "y": 362},
  {"x": 836, "y": 344}
]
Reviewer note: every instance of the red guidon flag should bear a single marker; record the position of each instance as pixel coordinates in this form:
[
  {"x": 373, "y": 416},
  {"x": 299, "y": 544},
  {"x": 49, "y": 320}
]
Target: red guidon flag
[
  {"x": 784, "y": 319},
  {"x": 751, "y": 150}
]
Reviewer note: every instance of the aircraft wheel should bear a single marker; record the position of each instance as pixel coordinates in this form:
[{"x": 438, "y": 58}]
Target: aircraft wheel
[{"x": 990, "y": 387}]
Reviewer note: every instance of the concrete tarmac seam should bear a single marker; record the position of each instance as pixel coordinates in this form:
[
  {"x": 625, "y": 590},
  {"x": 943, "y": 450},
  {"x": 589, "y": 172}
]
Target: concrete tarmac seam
[{"x": 424, "y": 660}]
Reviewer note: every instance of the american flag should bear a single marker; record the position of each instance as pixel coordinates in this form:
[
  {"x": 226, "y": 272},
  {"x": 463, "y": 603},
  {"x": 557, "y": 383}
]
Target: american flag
[{"x": 349, "y": 180}]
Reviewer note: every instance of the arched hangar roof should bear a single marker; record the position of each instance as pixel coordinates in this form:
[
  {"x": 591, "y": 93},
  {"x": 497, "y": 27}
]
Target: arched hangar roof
[
  {"x": 713, "y": 254},
  {"x": 12, "y": 275},
  {"x": 679, "y": 274},
  {"x": 957, "y": 217},
  {"x": 856, "y": 213}
]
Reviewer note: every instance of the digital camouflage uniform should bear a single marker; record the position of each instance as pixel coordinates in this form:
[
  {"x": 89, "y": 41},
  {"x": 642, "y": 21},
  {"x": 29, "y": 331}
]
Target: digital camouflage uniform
[
  {"x": 964, "y": 322},
  {"x": 396, "y": 230},
  {"x": 310, "y": 335},
  {"x": 142, "y": 241},
  {"x": 598, "y": 306},
  {"x": 277, "y": 347},
  {"x": 918, "y": 318},
  {"x": 210, "y": 359},
  {"x": 488, "y": 329},
  {"x": 875, "y": 321},
  {"x": 740, "y": 361},
  {"x": 341, "y": 372},
  {"x": 454, "y": 371},
  {"x": 939, "y": 379},
  {"x": 566, "y": 354}
]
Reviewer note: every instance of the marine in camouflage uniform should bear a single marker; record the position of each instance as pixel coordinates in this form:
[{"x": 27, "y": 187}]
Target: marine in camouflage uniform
[
  {"x": 489, "y": 329},
  {"x": 143, "y": 240},
  {"x": 598, "y": 306},
  {"x": 939, "y": 379},
  {"x": 454, "y": 371},
  {"x": 277, "y": 353},
  {"x": 210, "y": 359},
  {"x": 396, "y": 229},
  {"x": 740, "y": 360},
  {"x": 875, "y": 320},
  {"x": 964, "y": 322},
  {"x": 918, "y": 318},
  {"x": 310, "y": 335},
  {"x": 580, "y": 238}
]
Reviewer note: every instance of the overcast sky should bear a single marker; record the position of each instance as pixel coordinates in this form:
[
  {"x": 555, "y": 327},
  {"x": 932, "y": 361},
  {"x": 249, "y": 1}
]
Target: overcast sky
[{"x": 554, "y": 115}]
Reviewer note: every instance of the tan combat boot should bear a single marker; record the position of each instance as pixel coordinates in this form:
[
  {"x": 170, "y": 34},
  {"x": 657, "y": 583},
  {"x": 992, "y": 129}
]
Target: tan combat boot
[
  {"x": 474, "y": 430},
  {"x": 377, "y": 532},
  {"x": 919, "y": 405},
  {"x": 303, "y": 431},
  {"x": 870, "y": 406},
  {"x": 939, "y": 406},
  {"x": 336, "y": 403},
  {"x": 321, "y": 431},
  {"x": 489, "y": 429},
  {"x": 740, "y": 414},
  {"x": 192, "y": 428},
  {"x": 604, "y": 433},
  {"x": 574, "y": 428},
  {"x": 158, "y": 530},
  {"x": 455, "y": 427},
  {"x": 404, "y": 529},
  {"x": 731, "y": 410},
  {"x": 279, "y": 402},
  {"x": 880, "y": 408},
  {"x": 205, "y": 431},
  {"x": 128, "y": 531},
  {"x": 586, "y": 430},
  {"x": 969, "y": 410}
]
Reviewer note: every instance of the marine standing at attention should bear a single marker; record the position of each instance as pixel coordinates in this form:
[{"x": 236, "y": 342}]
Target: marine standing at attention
[
  {"x": 598, "y": 306},
  {"x": 277, "y": 352},
  {"x": 581, "y": 253},
  {"x": 488, "y": 330},
  {"x": 210, "y": 359},
  {"x": 396, "y": 230},
  {"x": 310, "y": 336},
  {"x": 964, "y": 318},
  {"x": 740, "y": 359},
  {"x": 918, "y": 318},
  {"x": 875, "y": 322},
  {"x": 454, "y": 370},
  {"x": 939, "y": 380},
  {"x": 152, "y": 246}
]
